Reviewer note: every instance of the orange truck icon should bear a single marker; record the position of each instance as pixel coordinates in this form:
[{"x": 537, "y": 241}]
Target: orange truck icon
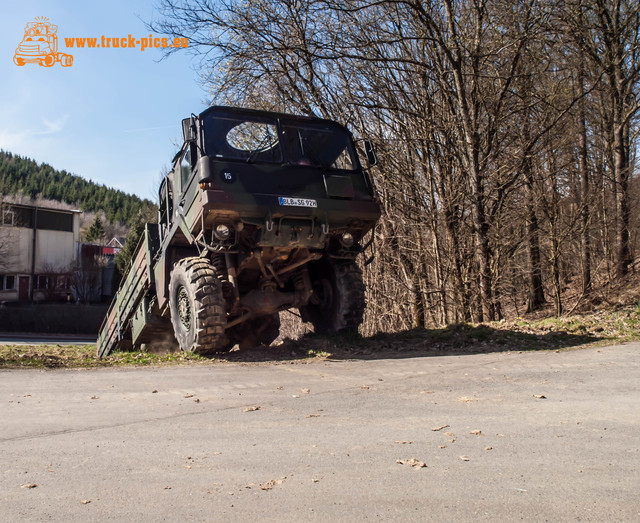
[{"x": 40, "y": 46}]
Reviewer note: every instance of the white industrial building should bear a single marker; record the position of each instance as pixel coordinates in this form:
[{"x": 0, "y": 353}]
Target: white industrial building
[{"x": 38, "y": 252}]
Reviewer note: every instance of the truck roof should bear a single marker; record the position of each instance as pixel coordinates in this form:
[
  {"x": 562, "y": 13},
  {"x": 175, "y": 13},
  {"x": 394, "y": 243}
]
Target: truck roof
[{"x": 272, "y": 114}]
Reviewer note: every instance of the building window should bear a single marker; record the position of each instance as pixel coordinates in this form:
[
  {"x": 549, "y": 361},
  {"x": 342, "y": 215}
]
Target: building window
[
  {"x": 43, "y": 282},
  {"x": 8, "y": 217},
  {"x": 7, "y": 282},
  {"x": 52, "y": 282},
  {"x": 62, "y": 282}
]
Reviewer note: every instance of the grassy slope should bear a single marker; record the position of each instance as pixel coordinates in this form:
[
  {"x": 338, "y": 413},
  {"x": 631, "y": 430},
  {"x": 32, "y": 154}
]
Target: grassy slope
[
  {"x": 610, "y": 314},
  {"x": 588, "y": 329}
]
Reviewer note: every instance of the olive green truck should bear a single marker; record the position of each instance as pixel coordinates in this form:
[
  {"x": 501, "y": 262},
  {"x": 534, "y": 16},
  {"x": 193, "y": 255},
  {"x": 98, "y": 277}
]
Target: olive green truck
[{"x": 262, "y": 212}]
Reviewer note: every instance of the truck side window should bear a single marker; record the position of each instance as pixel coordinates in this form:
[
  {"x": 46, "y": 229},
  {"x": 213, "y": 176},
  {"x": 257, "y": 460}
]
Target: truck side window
[{"x": 185, "y": 169}]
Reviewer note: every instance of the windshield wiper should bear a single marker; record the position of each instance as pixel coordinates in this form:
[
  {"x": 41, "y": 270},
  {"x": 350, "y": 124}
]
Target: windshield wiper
[{"x": 260, "y": 148}]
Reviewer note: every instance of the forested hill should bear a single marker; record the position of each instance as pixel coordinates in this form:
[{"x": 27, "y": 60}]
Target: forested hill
[{"x": 23, "y": 175}]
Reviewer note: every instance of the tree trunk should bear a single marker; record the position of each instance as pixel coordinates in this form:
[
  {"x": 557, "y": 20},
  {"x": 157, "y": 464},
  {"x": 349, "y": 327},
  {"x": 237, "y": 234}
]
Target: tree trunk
[
  {"x": 534, "y": 281},
  {"x": 621, "y": 156},
  {"x": 584, "y": 196}
]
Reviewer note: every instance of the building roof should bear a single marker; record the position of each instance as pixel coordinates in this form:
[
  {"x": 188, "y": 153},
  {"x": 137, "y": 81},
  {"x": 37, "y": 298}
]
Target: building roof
[{"x": 40, "y": 207}]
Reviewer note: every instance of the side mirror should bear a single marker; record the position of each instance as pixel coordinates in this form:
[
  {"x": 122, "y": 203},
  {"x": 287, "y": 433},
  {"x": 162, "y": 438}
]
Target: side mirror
[
  {"x": 189, "y": 130},
  {"x": 370, "y": 152}
]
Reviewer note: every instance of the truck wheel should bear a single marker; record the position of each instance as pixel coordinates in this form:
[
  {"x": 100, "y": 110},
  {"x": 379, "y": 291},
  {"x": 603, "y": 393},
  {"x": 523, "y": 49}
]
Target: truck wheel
[
  {"x": 48, "y": 61},
  {"x": 198, "y": 309},
  {"x": 337, "y": 303},
  {"x": 18, "y": 60}
]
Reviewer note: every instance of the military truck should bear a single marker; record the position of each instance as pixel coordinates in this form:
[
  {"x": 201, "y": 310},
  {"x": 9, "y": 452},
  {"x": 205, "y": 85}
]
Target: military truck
[{"x": 262, "y": 212}]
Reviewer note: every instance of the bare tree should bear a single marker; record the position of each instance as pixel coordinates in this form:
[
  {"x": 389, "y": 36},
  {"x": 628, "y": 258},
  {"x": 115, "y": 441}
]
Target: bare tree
[
  {"x": 608, "y": 33},
  {"x": 494, "y": 165}
]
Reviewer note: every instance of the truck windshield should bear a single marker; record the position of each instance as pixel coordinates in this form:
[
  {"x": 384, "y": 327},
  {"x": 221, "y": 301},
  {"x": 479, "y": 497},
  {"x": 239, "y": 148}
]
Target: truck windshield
[
  {"x": 318, "y": 145},
  {"x": 264, "y": 139},
  {"x": 254, "y": 139}
]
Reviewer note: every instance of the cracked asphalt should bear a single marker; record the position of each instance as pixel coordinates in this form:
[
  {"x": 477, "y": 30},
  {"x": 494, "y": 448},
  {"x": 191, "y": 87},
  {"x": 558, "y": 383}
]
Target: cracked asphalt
[{"x": 533, "y": 436}]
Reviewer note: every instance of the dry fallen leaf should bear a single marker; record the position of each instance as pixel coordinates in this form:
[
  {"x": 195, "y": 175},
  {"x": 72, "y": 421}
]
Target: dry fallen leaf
[
  {"x": 404, "y": 442},
  {"x": 465, "y": 399},
  {"x": 154, "y": 391},
  {"x": 365, "y": 387},
  {"x": 464, "y": 458},
  {"x": 29, "y": 485},
  {"x": 85, "y": 501},
  {"x": 95, "y": 397},
  {"x": 251, "y": 409},
  {"x": 312, "y": 416},
  {"x": 488, "y": 448},
  {"x": 476, "y": 432},
  {"x": 305, "y": 391},
  {"x": 539, "y": 396},
  {"x": 427, "y": 391},
  {"x": 189, "y": 395},
  {"x": 439, "y": 428},
  {"x": 413, "y": 462},
  {"x": 272, "y": 483}
]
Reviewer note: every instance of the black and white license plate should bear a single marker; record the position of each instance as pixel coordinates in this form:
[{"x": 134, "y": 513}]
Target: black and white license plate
[{"x": 297, "y": 202}]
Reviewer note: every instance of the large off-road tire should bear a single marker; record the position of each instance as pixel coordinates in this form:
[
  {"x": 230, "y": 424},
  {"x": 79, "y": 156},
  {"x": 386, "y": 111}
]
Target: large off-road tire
[
  {"x": 198, "y": 309},
  {"x": 338, "y": 299},
  {"x": 252, "y": 333}
]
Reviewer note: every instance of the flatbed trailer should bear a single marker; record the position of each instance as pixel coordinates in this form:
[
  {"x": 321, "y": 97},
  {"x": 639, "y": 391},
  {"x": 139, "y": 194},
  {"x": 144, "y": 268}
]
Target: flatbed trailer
[{"x": 129, "y": 319}]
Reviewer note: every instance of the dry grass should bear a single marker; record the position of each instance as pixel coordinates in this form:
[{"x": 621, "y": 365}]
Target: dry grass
[{"x": 298, "y": 344}]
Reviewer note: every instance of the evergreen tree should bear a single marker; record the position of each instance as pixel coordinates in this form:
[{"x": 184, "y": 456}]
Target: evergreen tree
[
  {"x": 32, "y": 179},
  {"x": 96, "y": 230}
]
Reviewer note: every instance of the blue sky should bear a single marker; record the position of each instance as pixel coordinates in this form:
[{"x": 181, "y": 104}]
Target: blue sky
[{"x": 113, "y": 116}]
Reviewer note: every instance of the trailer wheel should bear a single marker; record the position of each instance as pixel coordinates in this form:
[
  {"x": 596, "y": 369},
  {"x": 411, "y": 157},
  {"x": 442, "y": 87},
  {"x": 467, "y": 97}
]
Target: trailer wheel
[
  {"x": 197, "y": 306},
  {"x": 337, "y": 303}
]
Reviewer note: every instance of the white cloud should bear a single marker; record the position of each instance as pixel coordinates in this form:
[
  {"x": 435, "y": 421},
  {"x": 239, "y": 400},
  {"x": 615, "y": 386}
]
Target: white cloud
[
  {"x": 55, "y": 126},
  {"x": 16, "y": 141}
]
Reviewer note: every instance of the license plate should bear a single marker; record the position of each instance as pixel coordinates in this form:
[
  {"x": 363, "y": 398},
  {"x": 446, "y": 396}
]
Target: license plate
[{"x": 297, "y": 202}]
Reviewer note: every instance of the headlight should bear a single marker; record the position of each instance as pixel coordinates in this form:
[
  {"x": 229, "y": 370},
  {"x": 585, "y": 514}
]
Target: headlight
[
  {"x": 347, "y": 239},
  {"x": 221, "y": 232}
]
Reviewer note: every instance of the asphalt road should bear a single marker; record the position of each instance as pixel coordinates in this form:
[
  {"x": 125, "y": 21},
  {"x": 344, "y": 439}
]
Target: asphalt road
[{"x": 538, "y": 436}]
